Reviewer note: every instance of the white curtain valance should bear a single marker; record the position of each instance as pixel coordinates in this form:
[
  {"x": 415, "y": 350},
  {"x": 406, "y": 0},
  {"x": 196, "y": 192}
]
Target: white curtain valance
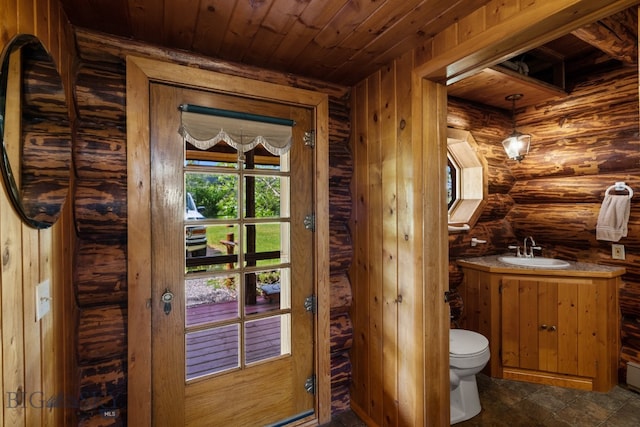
[{"x": 205, "y": 130}]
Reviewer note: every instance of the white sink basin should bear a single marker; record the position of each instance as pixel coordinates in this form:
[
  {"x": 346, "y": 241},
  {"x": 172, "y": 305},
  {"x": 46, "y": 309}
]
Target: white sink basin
[{"x": 536, "y": 262}]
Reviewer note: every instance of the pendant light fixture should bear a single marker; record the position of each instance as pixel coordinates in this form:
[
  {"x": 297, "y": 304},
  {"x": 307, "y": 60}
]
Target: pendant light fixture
[{"x": 517, "y": 144}]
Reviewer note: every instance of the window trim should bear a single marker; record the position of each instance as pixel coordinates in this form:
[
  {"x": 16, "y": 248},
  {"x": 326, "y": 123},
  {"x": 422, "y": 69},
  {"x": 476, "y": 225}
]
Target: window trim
[{"x": 463, "y": 151}]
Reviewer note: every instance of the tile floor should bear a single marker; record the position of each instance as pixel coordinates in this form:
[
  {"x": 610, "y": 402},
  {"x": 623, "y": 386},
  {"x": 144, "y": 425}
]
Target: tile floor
[{"x": 517, "y": 404}]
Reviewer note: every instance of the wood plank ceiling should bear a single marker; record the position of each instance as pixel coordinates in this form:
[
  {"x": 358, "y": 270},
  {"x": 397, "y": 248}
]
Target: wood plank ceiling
[
  {"x": 344, "y": 41},
  {"x": 339, "y": 41}
]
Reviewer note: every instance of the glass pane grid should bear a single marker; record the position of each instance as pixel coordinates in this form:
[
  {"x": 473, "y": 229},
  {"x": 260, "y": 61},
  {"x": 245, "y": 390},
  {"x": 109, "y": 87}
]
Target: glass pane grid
[{"x": 238, "y": 289}]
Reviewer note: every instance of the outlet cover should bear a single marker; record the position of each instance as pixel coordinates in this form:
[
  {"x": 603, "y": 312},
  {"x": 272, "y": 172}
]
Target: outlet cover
[
  {"x": 43, "y": 299},
  {"x": 617, "y": 252}
]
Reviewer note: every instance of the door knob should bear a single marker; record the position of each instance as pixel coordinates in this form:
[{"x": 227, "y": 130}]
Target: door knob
[{"x": 167, "y": 297}]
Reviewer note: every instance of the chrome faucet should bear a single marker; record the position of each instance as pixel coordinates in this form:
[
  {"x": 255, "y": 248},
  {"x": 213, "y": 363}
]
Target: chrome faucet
[{"x": 533, "y": 246}]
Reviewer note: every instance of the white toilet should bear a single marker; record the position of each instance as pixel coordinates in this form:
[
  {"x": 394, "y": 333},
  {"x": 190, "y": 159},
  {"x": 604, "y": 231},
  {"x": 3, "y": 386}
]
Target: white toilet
[{"x": 468, "y": 354}]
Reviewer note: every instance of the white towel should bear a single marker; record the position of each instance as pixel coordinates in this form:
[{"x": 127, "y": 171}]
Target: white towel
[{"x": 613, "y": 217}]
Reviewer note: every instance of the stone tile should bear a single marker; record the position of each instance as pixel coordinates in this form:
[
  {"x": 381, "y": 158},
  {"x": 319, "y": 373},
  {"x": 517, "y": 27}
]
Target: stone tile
[
  {"x": 610, "y": 402},
  {"x": 626, "y": 393},
  {"x": 627, "y": 416},
  {"x": 519, "y": 388},
  {"x": 555, "y": 398},
  {"x": 535, "y": 411},
  {"x": 554, "y": 421},
  {"x": 508, "y": 392},
  {"x": 491, "y": 414},
  {"x": 547, "y": 401},
  {"x": 500, "y": 415},
  {"x": 583, "y": 412},
  {"x": 623, "y": 393}
]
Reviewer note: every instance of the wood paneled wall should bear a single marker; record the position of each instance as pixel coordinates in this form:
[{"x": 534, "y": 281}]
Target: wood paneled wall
[
  {"x": 391, "y": 351},
  {"x": 37, "y": 356},
  {"x": 386, "y": 370}
]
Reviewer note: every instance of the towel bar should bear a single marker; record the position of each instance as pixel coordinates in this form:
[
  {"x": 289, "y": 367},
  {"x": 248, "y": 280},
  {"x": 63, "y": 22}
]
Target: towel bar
[
  {"x": 463, "y": 227},
  {"x": 620, "y": 186}
]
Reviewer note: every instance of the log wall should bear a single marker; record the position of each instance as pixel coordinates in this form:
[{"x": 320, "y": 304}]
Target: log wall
[
  {"x": 100, "y": 212},
  {"x": 341, "y": 251},
  {"x": 488, "y": 126},
  {"x": 581, "y": 145},
  {"x": 584, "y": 143},
  {"x": 100, "y": 269}
]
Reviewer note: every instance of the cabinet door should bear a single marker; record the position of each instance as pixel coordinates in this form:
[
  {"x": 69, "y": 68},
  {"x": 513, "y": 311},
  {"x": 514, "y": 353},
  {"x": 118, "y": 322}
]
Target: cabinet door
[
  {"x": 520, "y": 323},
  {"x": 549, "y": 324},
  {"x": 590, "y": 335}
]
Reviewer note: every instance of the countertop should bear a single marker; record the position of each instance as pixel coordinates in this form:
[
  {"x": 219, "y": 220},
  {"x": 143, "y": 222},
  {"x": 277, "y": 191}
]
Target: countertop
[{"x": 576, "y": 269}]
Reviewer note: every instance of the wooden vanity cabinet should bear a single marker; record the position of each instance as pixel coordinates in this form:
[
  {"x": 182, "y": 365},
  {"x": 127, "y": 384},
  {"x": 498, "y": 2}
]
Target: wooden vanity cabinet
[{"x": 546, "y": 328}]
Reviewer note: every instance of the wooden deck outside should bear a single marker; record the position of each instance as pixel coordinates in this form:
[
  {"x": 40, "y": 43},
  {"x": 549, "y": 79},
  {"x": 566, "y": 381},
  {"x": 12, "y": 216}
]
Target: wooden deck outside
[{"x": 217, "y": 349}]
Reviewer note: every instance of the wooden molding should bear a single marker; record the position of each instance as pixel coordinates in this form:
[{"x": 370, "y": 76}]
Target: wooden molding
[{"x": 492, "y": 44}]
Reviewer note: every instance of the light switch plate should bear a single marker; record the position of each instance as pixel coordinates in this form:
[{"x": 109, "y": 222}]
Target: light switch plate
[
  {"x": 617, "y": 251},
  {"x": 43, "y": 299}
]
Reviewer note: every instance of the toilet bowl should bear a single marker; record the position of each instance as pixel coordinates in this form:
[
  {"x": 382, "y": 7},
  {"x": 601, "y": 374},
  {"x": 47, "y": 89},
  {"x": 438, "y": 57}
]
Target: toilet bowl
[{"x": 468, "y": 354}]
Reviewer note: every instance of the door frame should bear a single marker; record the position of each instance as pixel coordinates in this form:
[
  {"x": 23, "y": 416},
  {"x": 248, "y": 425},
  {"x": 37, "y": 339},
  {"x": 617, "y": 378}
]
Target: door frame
[{"x": 140, "y": 73}]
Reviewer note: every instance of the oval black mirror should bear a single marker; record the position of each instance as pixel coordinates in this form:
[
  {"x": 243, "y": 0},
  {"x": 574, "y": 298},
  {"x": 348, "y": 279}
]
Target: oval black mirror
[{"x": 35, "y": 132}]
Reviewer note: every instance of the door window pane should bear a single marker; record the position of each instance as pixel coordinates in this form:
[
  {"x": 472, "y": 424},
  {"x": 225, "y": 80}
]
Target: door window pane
[
  {"x": 211, "y": 298},
  {"x": 212, "y": 350},
  {"x": 270, "y": 291},
  {"x": 265, "y": 338},
  {"x": 266, "y": 243},
  {"x": 222, "y": 248},
  {"x": 263, "y": 196},
  {"x": 214, "y": 195}
]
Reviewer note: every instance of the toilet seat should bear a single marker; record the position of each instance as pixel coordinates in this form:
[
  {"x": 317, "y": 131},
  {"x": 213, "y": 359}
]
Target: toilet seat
[{"x": 464, "y": 343}]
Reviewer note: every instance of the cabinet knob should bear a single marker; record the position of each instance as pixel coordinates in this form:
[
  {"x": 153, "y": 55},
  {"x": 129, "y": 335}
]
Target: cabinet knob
[
  {"x": 552, "y": 328},
  {"x": 543, "y": 327}
]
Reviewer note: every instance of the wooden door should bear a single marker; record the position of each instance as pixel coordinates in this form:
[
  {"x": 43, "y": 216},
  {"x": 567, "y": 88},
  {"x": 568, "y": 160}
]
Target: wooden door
[{"x": 234, "y": 345}]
